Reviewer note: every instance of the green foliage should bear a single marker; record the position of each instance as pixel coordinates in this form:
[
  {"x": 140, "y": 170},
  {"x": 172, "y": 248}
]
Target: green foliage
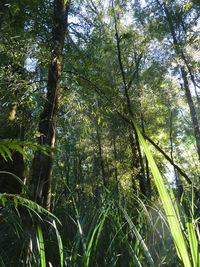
[
  {"x": 34, "y": 214},
  {"x": 139, "y": 239},
  {"x": 41, "y": 246},
  {"x": 90, "y": 225},
  {"x": 7, "y": 145},
  {"x": 29, "y": 204},
  {"x": 172, "y": 214}
]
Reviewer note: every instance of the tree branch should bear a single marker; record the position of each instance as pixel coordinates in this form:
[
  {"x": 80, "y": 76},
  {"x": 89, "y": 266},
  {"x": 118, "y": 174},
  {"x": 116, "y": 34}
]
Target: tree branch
[{"x": 127, "y": 120}]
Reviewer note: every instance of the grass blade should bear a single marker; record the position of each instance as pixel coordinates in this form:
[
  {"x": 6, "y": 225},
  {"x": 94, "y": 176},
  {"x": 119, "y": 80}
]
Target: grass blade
[
  {"x": 41, "y": 245},
  {"x": 167, "y": 204},
  {"x": 98, "y": 230},
  {"x": 139, "y": 238},
  {"x": 59, "y": 243},
  {"x": 193, "y": 243}
]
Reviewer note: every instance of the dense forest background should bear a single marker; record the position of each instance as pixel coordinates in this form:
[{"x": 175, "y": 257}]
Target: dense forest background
[{"x": 90, "y": 93}]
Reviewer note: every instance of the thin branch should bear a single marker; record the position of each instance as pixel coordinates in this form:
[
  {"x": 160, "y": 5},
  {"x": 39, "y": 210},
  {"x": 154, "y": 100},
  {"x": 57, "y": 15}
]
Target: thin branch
[
  {"x": 114, "y": 109},
  {"x": 169, "y": 159},
  {"x": 137, "y": 61},
  {"x": 118, "y": 48}
]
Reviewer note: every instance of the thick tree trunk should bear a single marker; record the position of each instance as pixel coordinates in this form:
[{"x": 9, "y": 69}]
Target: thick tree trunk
[{"x": 42, "y": 164}]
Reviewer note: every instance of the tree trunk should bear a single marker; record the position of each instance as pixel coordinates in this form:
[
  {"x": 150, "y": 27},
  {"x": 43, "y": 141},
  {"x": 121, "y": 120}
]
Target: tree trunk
[
  {"x": 101, "y": 158},
  {"x": 192, "y": 110},
  {"x": 42, "y": 164},
  {"x": 137, "y": 165},
  {"x": 180, "y": 54},
  {"x": 126, "y": 87},
  {"x": 148, "y": 187}
]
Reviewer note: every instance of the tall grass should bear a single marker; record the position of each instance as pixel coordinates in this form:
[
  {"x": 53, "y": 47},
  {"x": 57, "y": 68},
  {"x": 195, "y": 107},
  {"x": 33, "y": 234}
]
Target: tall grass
[
  {"x": 110, "y": 232},
  {"x": 172, "y": 213},
  {"x": 23, "y": 220}
]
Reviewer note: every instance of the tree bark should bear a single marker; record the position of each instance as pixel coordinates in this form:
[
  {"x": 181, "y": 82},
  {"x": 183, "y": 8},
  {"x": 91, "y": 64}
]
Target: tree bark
[{"x": 42, "y": 164}]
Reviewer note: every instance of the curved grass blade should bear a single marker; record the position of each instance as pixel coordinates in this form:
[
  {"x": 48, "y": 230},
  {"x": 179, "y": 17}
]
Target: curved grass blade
[
  {"x": 98, "y": 230},
  {"x": 139, "y": 238},
  {"x": 193, "y": 243},
  {"x": 59, "y": 243},
  {"x": 41, "y": 245},
  {"x": 31, "y": 205},
  {"x": 167, "y": 204}
]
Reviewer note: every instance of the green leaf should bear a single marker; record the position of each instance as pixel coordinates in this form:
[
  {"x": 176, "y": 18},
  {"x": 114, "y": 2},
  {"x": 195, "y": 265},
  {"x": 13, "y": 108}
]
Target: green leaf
[
  {"x": 139, "y": 238},
  {"x": 2, "y": 152},
  {"x": 174, "y": 224},
  {"x": 99, "y": 120},
  {"x": 59, "y": 243},
  {"x": 31, "y": 205},
  {"x": 41, "y": 245},
  {"x": 15, "y": 201},
  {"x": 3, "y": 200},
  {"x": 20, "y": 150},
  {"x": 193, "y": 244},
  {"x": 8, "y": 152}
]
